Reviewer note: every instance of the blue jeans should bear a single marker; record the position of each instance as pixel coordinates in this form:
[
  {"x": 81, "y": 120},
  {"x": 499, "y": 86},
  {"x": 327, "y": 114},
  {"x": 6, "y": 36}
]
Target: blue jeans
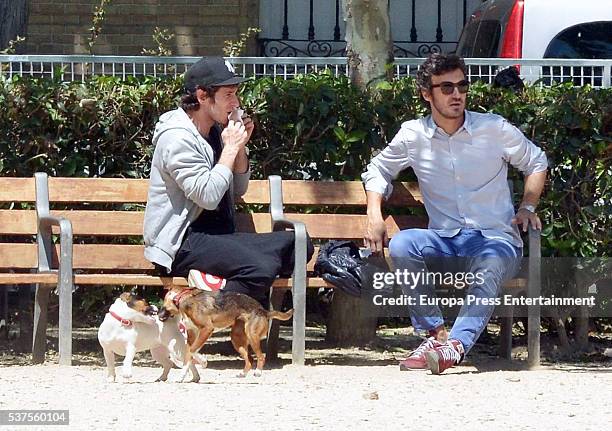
[{"x": 495, "y": 260}]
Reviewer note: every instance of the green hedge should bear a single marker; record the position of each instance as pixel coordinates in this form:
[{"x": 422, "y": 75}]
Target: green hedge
[{"x": 315, "y": 126}]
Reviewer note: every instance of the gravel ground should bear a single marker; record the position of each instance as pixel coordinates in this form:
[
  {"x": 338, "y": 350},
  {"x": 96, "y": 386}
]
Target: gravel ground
[{"x": 338, "y": 389}]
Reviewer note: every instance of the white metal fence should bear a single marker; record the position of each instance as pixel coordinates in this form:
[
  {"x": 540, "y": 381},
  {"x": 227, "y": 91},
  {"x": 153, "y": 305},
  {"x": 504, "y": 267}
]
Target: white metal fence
[{"x": 74, "y": 67}]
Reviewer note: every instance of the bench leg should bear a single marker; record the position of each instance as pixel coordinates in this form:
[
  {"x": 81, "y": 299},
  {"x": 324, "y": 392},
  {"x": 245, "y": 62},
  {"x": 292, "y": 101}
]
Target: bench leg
[
  {"x": 533, "y": 291},
  {"x": 39, "y": 340},
  {"x": 276, "y": 301},
  {"x": 65, "y": 322},
  {"x": 533, "y": 336},
  {"x": 505, "y": 335},
  {"x": 298, "y": 342},
  {"x": 4, "y": 319}
]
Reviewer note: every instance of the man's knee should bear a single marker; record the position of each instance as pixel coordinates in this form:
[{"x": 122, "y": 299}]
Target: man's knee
[{"x": 408, "y": 243}]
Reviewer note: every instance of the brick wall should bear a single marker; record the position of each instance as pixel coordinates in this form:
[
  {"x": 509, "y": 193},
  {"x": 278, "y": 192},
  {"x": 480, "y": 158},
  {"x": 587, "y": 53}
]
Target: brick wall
[{"x": 200, "y": 26}]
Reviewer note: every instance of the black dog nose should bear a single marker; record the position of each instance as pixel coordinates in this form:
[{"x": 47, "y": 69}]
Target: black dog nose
[{"x": 163, "y": 314}]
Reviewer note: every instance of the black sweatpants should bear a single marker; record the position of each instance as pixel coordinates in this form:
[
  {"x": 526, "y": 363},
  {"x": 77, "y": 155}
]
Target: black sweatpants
[{"x": 250, "y": 262}]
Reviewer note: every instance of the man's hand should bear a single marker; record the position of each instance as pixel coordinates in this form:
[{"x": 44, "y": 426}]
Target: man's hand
[
  {"x": 249, "y": 125},
  {"x": 235, "y": 136},
  {"x": 524, "y": 217},
  {"x": 375, "y": 237},
  {"x": 241, "y": 163}
]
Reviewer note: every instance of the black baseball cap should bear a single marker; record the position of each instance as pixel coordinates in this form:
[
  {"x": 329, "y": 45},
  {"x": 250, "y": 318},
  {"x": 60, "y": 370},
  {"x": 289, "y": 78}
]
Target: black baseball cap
[{"x": 211, "y": 72}]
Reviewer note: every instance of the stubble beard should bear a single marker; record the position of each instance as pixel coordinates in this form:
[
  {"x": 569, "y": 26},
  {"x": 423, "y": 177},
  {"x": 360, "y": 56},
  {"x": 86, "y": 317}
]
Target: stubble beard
[{"x": 449, "y": 112}]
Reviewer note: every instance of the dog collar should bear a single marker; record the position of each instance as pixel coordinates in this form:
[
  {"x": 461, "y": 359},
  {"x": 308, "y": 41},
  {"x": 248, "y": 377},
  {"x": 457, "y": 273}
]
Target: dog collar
[
  {"x": 124, "y": 322},
  {"x": 179, "y": 296}
]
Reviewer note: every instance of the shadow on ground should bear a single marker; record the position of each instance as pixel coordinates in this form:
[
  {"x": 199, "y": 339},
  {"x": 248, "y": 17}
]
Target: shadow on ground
[{"x": 390, "y": 346}]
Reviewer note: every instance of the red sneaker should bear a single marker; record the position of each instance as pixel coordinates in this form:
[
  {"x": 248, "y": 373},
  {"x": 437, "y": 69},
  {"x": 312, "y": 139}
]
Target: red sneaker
[
  {"x": 416, "y": 360},
  {"x": 445, "y": 356},
  {"x": 203, "y": 281}
]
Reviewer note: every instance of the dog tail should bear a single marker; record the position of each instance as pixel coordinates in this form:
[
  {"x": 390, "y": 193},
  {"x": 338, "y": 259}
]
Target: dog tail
[{"x": 280, "y": 315}]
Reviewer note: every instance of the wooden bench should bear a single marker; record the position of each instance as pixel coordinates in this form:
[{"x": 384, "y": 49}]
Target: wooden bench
[
  {"x": 100, "y": 229},
  {"x": 110, "y": 211}
]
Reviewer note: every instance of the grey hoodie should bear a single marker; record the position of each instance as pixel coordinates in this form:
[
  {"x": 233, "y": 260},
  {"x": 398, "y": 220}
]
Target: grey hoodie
[{"x": 184, "y": 181}]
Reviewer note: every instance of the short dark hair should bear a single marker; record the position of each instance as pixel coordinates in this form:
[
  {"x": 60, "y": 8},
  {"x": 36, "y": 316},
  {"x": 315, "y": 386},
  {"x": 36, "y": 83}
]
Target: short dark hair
[
  {"x": 189, "y": 100},
  {"x": 437, "y": 64}
]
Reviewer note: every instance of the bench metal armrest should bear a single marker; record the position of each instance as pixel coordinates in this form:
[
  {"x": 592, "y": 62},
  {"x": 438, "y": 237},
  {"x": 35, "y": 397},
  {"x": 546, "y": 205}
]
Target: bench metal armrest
[
  {"x": 279, "y": 222},
  {"x": 44, "y": 236},
  {"x": 45, "y": 261},
  {"x": 45, "y": 258}
]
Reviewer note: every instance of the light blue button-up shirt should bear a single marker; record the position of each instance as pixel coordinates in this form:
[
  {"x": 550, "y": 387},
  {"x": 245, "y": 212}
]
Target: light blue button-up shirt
[{"x": 463, "y": 177}]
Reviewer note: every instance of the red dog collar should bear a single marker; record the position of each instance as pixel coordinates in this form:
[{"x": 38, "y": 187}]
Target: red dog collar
[
  {"x": 179, "y": 296},
  {"x": 124, "y": 322}
]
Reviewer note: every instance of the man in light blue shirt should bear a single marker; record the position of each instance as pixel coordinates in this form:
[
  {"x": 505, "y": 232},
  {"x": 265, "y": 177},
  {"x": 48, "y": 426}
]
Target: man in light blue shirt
[{"x": 461, "y": 161}]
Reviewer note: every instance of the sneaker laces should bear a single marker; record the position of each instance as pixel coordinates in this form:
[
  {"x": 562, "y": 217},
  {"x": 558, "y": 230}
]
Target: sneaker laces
[
  {"x": 450, "y": 352},
  {"x": 428, "y": 343}
]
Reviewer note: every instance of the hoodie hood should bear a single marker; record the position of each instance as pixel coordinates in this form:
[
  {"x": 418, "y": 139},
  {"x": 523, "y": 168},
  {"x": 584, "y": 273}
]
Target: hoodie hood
[{"x": 173, "y": 120}]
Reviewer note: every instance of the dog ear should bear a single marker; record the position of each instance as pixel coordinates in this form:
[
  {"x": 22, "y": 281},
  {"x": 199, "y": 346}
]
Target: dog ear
[{"x": 126, "y": 296}]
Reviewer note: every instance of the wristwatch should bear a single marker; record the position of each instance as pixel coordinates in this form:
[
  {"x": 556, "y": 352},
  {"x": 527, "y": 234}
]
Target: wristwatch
[{"x": 530, "y": 208}]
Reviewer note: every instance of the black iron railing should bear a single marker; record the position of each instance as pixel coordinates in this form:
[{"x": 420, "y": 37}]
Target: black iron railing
[{"x": 290, "y": 44}]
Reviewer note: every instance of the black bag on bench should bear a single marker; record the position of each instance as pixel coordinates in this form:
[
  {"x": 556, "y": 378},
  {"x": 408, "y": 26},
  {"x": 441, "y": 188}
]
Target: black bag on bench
[{"x": 339, "y": 263}]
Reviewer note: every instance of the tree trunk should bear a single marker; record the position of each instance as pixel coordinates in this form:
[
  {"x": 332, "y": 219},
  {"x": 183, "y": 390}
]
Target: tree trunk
[
  {"x": 561, "y": 331},
  {"x": 13, "y": 20},
  {"x": 368, "y": 41},
  {"x": 352, "y": 321},
  {"x": 581, "y": 334},
  {"x": 581, "y": 315}
]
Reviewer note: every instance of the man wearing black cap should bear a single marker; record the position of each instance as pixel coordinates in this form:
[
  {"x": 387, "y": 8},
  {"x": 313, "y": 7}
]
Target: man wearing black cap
[{"x": 200, "y": 163}]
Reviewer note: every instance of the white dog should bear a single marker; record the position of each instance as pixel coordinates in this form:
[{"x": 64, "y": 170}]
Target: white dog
[{"x": 130, "y": 327}]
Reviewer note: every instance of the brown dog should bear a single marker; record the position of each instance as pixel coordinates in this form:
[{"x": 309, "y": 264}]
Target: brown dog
[{"x": 202, "y": 312}]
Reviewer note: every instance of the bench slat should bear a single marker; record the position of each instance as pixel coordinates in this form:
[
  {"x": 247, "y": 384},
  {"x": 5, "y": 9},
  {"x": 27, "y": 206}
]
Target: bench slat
[
  {"x": 18, "y": 256},
  {"x": 112, "y": 190},
  {"x": 129, "y": 279},
  {"x": 109, "y": 223},
  {"x": 129, "y": 223},
  {"x": 85, "y": 256},
  {"x": 101, "y": 256},
  {"x": 296, "y": 192},
  {"x": 17, "y": 222},
  {"x": 17, "y": 189},
  {"x": 349, "y": 226}
]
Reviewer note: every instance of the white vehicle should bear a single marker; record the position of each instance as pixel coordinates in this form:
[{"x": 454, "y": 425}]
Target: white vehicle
[{"x": 536, "y": 29}]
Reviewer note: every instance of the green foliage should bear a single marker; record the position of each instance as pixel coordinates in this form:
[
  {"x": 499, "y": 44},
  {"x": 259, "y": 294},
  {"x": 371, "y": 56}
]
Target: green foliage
[
  {"x": 100, "y": 127},
  {"x": 316, "y": 127},
  {"x": 573, "y": 125}
]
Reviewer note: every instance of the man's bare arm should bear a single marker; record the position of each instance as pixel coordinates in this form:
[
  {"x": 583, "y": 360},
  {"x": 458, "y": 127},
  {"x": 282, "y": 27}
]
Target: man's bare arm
[
  {"x": 534, "y": 185},
  {"x": 375, "y": 236}
]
